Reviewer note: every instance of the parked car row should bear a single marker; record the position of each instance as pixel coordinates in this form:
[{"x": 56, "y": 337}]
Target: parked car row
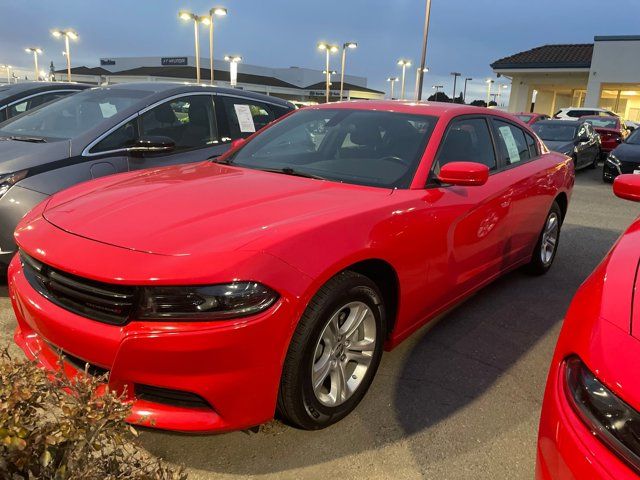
[{"x": 220, "y": 282}]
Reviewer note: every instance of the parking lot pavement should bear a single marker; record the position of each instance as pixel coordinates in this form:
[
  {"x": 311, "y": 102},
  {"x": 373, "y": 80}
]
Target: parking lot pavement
[{"x": 460, "y": 401}]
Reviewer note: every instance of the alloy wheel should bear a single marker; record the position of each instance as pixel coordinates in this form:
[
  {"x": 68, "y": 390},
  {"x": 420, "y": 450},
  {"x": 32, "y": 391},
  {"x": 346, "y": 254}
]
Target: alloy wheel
[{"x": 549, "y": 238}]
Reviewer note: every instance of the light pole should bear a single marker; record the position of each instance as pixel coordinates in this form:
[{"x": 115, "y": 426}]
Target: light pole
[
  {"x": 67, "y": 34},
  {"x": 489, "y": 82},
  {"x": 184, "y": 15},
  {"x": 392, "y": 81},
  {"x": 215, "y": 11},
  {"x": 464, "y": 95},
  {"x": 500, "y": 89},
  {"x": 233, "y": 68},
  {"x": 455, "y": 79},
  {"x": 329, "y": 49},
  {"x": 404, "y": 64},
  {"x": 345, "y": 46},
  {"x": 424, "y": 70},
  {"x": 423, "y": 58},
  {"x": 8, "y": 67},
  {"x": 36, "y": 51}
]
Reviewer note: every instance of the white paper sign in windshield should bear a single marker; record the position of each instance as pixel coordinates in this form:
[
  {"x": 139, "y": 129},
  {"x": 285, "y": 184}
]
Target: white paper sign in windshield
[
  {"x": 245, "y": 120},
  {"x": 510, "y": 142}
]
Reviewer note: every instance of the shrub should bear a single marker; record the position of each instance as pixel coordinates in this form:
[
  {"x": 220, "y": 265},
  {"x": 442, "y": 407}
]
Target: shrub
[{"x": 52, "y": 427}]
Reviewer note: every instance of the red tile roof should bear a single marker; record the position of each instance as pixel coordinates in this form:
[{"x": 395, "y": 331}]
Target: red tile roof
[{"x": 549, "y": 56}]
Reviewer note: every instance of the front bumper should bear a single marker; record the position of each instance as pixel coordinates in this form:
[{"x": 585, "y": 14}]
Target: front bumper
[
  {"x": 567, "y": 450},
  {"x": 234, "y": 366},
  {"x": 14, "y": 205}
]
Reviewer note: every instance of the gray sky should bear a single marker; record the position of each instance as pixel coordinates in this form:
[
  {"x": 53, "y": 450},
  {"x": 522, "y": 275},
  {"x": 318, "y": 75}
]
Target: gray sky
[{"x": 466, "y": 35}]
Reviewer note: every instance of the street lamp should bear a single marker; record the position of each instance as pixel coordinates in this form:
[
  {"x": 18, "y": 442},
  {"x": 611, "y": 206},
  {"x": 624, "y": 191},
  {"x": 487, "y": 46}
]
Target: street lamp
[
  {"x": 489, "y": 82},
  {"x": 36, "y": 51},
  {"x": 184, "y": 15},
  {"x": 464, "y": 95},
  {"x": 67, "y": 34},
  {"x": 455, "y": 79},
  {"x": 500, "y": 89},
  {"x": 404, "y": 64},
  {"x": 219, "y": 12},
  {"x": 424, "y": 70},
  {"x": 233, "y": 68},
  {"x": 8, "y": 67},
  {"x": 329, "y": 49},
  {"x": 345, "y": 46},
  {"x": 392, "y": 81}
]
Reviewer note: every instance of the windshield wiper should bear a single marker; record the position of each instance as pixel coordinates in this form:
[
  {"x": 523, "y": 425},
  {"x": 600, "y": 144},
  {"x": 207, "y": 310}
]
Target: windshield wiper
[
  {"x": 293, "y": 172},
  {"x": 28, "y": 139}
]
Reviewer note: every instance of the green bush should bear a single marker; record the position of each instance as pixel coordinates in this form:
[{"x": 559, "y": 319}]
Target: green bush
[{"x": 55, "y": 428}]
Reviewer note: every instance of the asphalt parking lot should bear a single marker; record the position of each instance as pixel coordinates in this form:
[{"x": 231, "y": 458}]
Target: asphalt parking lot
[{"x": 460, "y": 401}]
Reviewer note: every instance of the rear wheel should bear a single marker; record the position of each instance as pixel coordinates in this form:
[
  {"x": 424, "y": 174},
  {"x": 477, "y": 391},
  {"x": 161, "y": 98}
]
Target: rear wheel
[
  {"x": 547, "y": 245},
  {"x": 334, "y": 353}
]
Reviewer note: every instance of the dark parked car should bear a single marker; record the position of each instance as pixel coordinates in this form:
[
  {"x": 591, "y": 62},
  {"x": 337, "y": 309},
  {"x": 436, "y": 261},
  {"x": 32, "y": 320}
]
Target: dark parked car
[
  {"x": 625, "y": 158},
  {"x": 576, "y": 139},
  {"x": 612, "y": 131},
  {"x": 21, "y": 97},
  {"x": 107, "y": 130}
]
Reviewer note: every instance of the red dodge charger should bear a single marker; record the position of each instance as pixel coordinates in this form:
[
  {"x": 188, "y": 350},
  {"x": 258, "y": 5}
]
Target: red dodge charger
[
  {"x": 272, "y": 278},
  {"x": 590, "y": 423}
]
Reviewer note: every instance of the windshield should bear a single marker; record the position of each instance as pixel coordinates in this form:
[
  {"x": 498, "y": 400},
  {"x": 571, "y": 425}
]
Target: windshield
[
  {"x": 602, "y": 122},
  {"x": 555, "y": 132},
  {"x": 362, "y": 147},
  {"x": 524, "y": 118},
  {"x": 73, "y": 115},
  {"x": 634, "y": 138}
]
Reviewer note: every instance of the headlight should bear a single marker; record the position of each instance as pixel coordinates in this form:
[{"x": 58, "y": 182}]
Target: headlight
[
  {"x": 614, "y": 422},
  {"x": 214, "y": 302},
  {"x": 9, "y": 180},
  {"x": 613, "y": 160}
]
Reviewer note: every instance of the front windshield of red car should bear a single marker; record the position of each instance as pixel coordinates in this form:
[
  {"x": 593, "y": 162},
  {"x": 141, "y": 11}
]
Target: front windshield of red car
[{"x": 363, "y": 147}]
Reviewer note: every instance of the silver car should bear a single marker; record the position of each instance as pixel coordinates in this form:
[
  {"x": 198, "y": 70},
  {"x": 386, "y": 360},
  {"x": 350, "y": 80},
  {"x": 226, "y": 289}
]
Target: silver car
[{"x": 112, "y": 129}]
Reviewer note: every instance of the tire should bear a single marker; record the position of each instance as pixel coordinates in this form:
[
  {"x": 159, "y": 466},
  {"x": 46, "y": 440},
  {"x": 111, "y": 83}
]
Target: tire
[
  {"x": 315, "y": 345},
  {"x": 606, "y": 179},
  {"x": 542, "y": 257}
]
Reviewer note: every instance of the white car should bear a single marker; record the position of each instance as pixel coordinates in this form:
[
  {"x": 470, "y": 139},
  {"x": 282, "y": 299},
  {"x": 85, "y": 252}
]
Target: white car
[{"x": 573, "y": 113}]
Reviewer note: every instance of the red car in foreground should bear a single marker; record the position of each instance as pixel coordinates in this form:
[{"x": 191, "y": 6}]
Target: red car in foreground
[
  {"x": 530, "y": 118},
  {"x": 611, "y": 130},
  {"x": 590, "y": 423},
  {"x": 273, "y": 278}
]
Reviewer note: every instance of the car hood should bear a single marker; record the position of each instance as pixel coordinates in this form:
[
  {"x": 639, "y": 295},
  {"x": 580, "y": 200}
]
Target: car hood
[
  {"x": 626, "y": 152},
  {"x": 561, "y": 146},
  {"x": 16, "y": 155},
  {"x": 208, "y": 207}
]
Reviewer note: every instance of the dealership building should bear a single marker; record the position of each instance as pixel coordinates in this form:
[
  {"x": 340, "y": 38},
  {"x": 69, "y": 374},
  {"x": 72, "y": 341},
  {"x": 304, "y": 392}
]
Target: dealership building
[
  {"x": 605, "y": 73},
  {"x": 291, "y": 83}
]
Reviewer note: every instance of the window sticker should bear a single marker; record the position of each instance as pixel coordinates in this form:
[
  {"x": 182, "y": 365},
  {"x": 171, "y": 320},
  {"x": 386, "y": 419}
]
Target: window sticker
[
  {"x": 510, "y": 142},
  {"x": 245, "y": 119}
]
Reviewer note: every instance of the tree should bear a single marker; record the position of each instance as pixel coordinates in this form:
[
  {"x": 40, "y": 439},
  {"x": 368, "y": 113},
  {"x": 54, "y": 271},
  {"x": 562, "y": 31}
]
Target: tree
[
  {"x": 479, "y": 103},
  {"x": 493, "y": 103},
  {"x": 459, "y": 99},
  {"x": 439, "y": 97}
]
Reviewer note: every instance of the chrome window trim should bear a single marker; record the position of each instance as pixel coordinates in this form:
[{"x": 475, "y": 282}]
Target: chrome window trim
[
  {"x": 86, "y": 151},
  {"x": 39, "y": 94}
]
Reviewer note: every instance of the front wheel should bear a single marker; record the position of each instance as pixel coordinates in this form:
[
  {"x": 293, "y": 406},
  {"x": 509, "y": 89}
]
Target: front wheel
[
  {"x": 334, "y": 353},
  {"x": 547, "y": 245}
]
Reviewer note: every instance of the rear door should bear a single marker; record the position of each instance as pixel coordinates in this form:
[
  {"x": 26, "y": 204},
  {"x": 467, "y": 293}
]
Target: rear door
[{"x": 527, "y": 200}]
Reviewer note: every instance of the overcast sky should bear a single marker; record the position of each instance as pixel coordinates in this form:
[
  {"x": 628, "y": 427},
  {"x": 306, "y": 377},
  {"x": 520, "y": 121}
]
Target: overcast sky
[{"x": 466, "y": 35}]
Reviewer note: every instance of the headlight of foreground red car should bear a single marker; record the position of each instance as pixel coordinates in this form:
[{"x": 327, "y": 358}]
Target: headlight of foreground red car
[
  {"x": 590, "y": 422},
  {"x": 214, "y": 294}
]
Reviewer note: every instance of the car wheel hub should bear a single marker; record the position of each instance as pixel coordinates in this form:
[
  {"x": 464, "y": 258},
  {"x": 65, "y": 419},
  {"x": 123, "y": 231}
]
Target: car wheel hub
[
  {"x": 343, "y": 353},
  {"x": 549, "y": 238}
]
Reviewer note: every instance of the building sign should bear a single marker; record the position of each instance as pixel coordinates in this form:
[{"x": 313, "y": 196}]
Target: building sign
[
  {"x": 172, "y": 61},
  {"x": 107, "y": 61},
  {"x": 322, "y": 93}
]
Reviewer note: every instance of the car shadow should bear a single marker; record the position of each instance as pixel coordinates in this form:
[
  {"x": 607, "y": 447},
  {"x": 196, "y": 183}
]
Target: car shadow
[{"x": 478, "y": 364}]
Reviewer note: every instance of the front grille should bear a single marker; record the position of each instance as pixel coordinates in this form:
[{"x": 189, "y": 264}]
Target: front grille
[
  {"x": 166, "y": 396},
  {"x": 95, "y": 300}
]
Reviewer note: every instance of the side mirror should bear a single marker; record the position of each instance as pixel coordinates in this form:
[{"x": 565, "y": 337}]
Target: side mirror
[
  {"x": 627, "y": 186},
  {"x": 237, "y": 143},
  {"x": 464, "y": 174},
  {"x": 153, "y": 144}
]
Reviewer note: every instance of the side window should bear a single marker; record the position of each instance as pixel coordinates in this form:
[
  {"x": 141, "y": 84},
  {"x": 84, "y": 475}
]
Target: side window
[
  {"x": 18, "y": 108},
  {"x": 189, "y": 121},
  {"x": 467, "y": 140},
  {"x": 123, "y": 137},
  {"x": 531, "y": 143},
  {"x": 48, "y": 97},
  {"x": 246, "y": 116},
  {"x": 512, "y": 144},
  {"x": 583, "y": 131}
]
